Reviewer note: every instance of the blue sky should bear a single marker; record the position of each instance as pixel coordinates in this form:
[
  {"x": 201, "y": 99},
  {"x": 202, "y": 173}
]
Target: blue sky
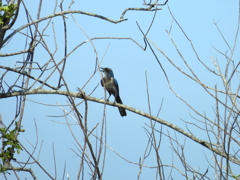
[{"x": 129, "y": 63}]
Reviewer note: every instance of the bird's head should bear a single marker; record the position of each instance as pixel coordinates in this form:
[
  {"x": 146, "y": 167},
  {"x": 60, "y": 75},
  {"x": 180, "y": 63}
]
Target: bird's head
[{"x": 107, "y": 71}]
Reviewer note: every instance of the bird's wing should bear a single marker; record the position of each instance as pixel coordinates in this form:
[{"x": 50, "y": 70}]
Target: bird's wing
[{"x": 116, "y": 84}]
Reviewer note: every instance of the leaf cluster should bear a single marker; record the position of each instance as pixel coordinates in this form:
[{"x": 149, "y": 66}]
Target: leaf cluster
[
  {"x": 7, "y": 11},
  {"x": 10, "y": 145}
]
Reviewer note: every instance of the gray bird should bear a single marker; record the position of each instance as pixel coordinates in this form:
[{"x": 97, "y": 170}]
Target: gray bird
[{"x": 111, "y": 85}]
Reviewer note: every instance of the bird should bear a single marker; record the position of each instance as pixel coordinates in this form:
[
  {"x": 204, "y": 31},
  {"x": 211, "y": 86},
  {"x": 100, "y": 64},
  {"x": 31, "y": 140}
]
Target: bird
[{"x": 111, "y": 85}]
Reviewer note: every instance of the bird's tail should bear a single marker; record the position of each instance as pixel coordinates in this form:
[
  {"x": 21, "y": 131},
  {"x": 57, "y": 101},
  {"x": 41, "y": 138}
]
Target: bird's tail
[{"x": 121, "y": 110}]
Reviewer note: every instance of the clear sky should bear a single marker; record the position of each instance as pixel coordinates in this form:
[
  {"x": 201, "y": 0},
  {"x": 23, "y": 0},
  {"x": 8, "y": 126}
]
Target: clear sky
[{"x": 126, "y": 135}]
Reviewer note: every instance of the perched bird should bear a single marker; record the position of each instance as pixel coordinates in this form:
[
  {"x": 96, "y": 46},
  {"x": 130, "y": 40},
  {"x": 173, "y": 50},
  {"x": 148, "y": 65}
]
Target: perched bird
[{"x": 111, "y": 85}]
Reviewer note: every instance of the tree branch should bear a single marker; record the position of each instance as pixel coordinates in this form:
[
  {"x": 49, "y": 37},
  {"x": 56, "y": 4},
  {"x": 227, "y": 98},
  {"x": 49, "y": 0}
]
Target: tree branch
[{"x": 134, "y": 110}]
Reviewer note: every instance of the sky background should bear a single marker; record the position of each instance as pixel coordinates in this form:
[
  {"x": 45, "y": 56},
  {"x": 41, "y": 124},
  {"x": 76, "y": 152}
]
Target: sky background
[{"x": 126, "y": 135}]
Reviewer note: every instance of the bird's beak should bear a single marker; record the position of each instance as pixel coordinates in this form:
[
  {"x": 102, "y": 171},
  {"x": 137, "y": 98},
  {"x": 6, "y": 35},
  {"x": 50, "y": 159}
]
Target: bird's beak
[{"x": 101, "y": 69}]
